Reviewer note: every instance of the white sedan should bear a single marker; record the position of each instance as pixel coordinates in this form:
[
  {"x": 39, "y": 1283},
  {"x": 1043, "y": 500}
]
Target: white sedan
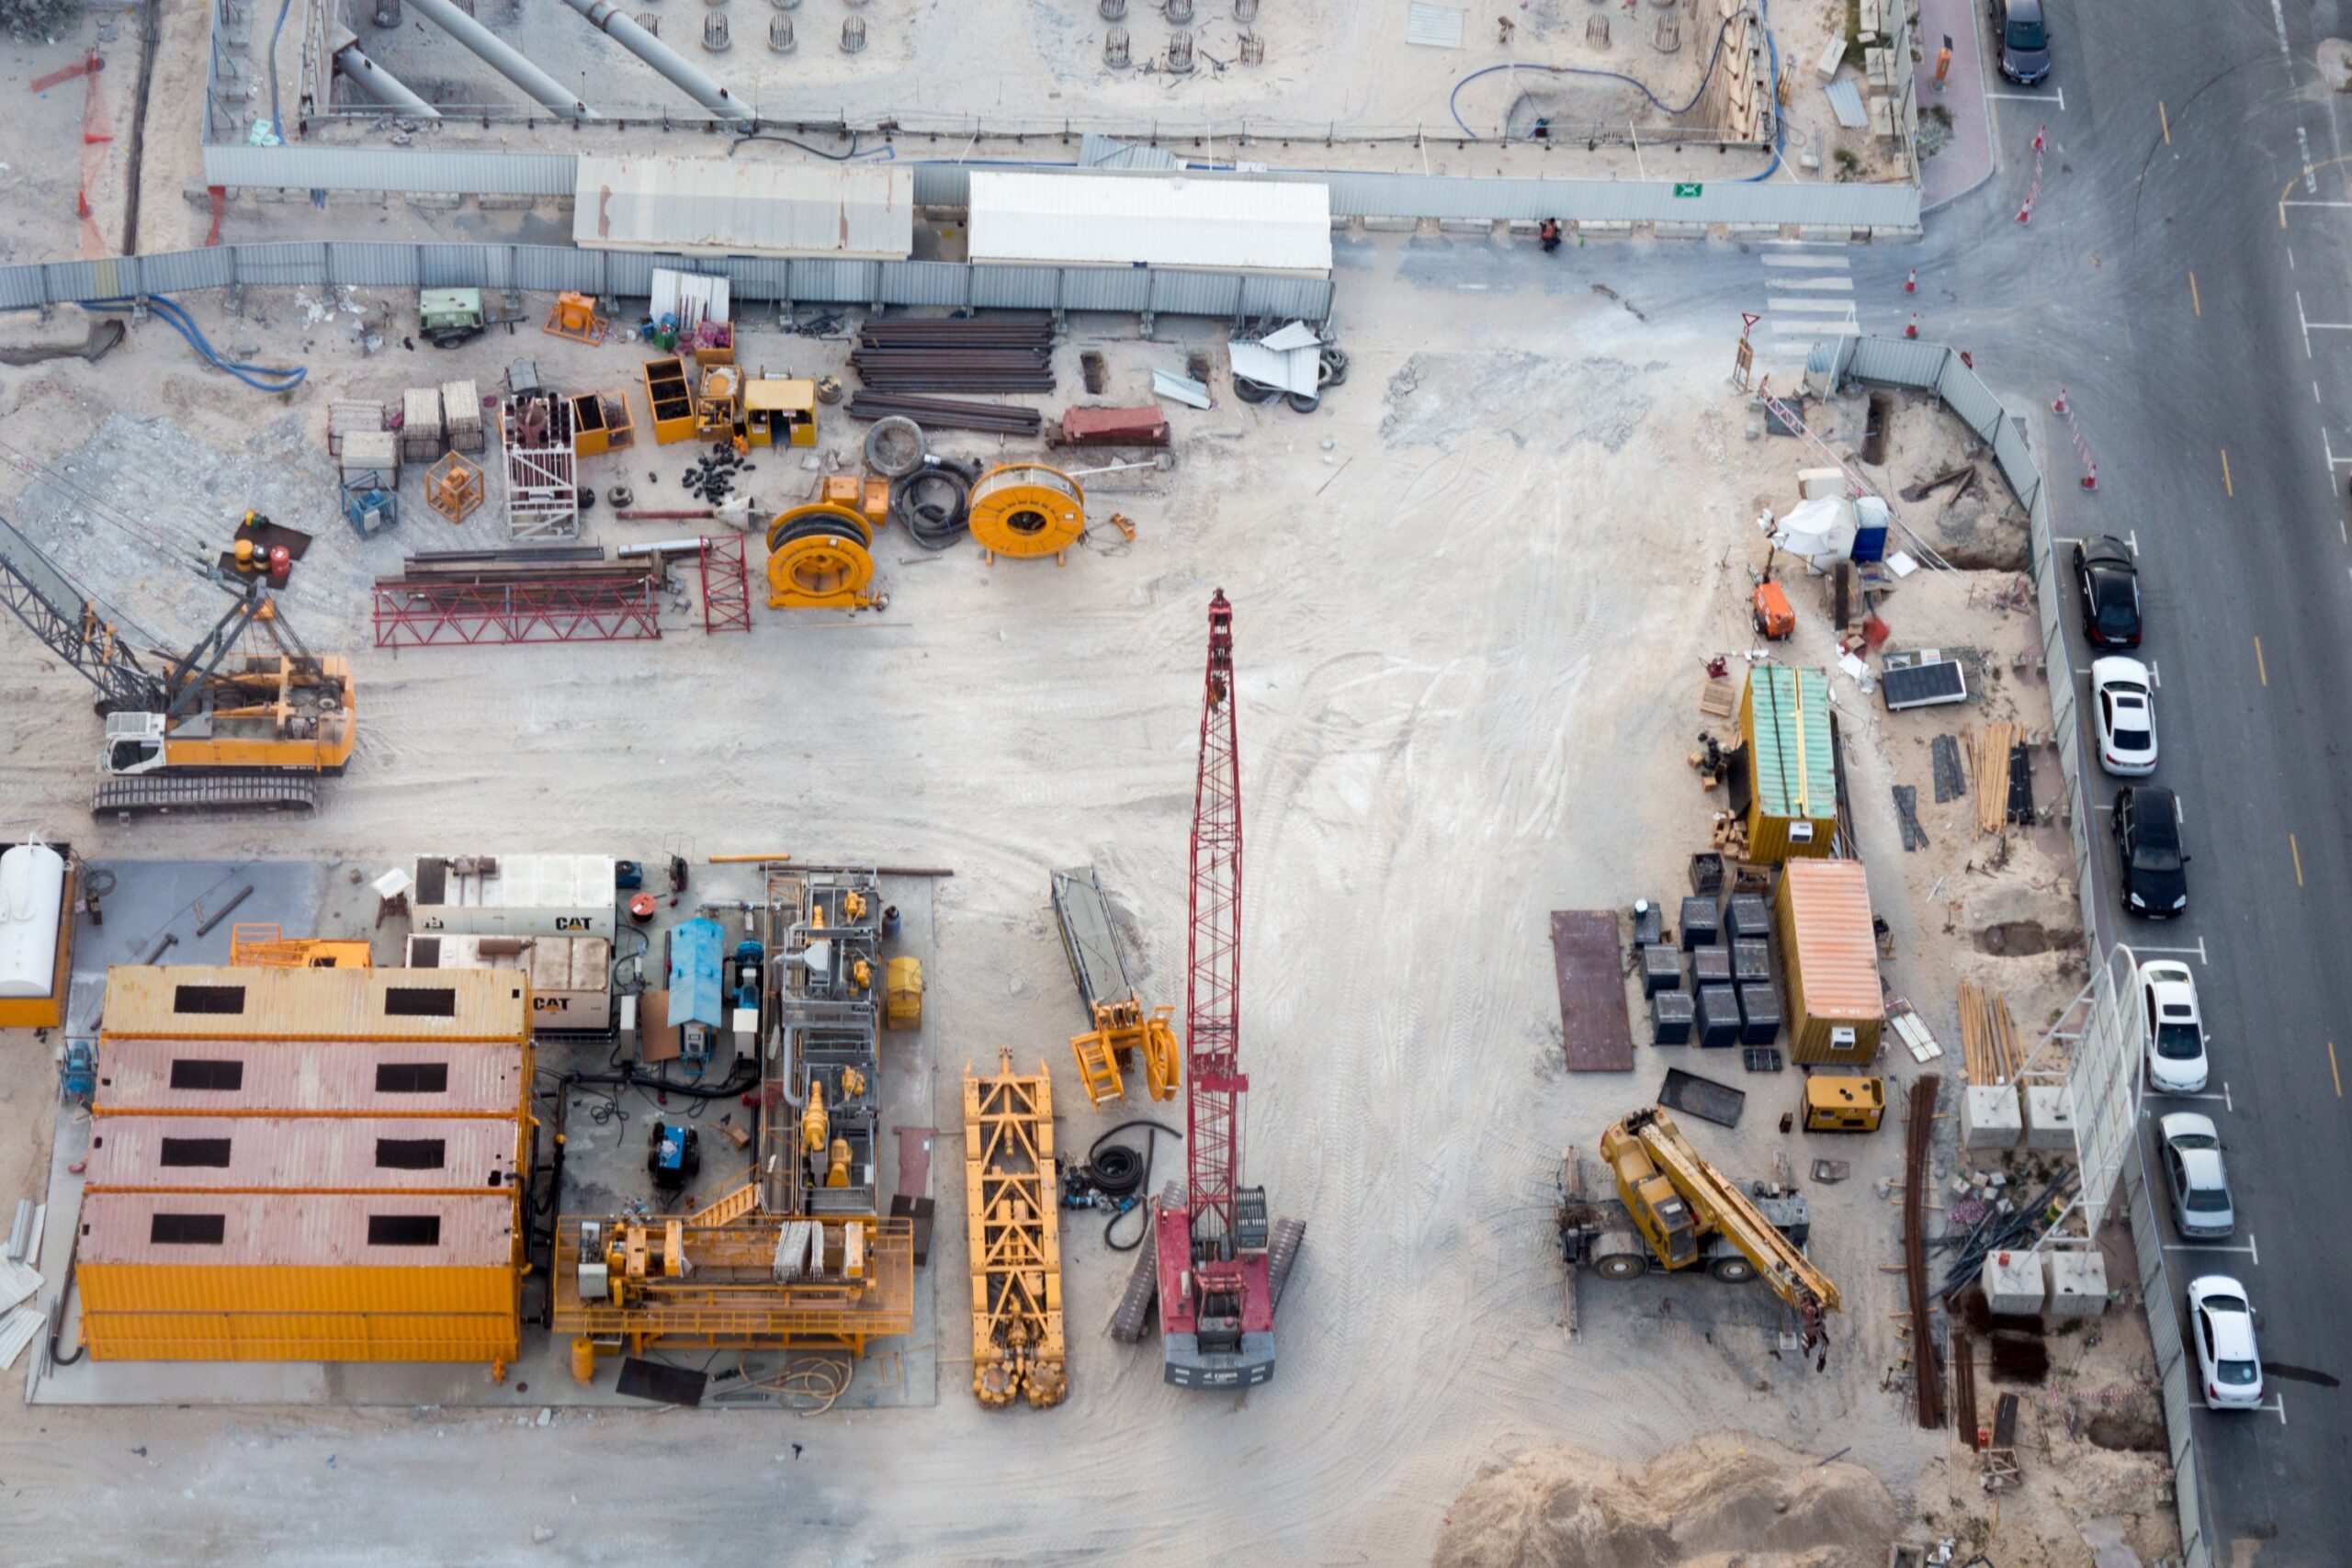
[
  {"x": 2172, "y": 1029},
  {"x": 2125, "y": 699},
  {"x": 2221, "y": 1319}
]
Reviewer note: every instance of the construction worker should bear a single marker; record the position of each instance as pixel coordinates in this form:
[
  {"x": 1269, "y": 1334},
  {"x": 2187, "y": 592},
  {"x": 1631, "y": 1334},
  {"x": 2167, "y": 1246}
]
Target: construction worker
[{"x": 1549, "y": 232}]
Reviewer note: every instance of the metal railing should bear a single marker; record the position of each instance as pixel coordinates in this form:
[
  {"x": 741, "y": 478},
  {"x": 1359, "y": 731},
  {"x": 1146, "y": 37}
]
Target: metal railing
[{"x": 2105, "y": 1053}]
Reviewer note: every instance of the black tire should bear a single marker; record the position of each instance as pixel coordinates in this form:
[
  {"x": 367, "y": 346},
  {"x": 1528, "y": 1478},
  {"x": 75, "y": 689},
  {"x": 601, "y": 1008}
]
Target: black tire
[
  {"x": 1620, "y": 1266},
  {"x": 1251, "y": 391},
  {"x": 1335, "y": 367},
  {"x": 1304, "y": 402},
  {"x": 1732, "y": 1270}
]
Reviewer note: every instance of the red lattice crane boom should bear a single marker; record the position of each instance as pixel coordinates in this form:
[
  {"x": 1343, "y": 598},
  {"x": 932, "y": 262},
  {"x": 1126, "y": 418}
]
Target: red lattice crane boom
[{"x": 1219, "y": 1283}]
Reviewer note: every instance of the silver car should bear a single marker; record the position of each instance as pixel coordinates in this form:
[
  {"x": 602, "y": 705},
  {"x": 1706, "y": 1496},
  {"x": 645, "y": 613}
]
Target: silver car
[{"x": 2201, "y": 1188}]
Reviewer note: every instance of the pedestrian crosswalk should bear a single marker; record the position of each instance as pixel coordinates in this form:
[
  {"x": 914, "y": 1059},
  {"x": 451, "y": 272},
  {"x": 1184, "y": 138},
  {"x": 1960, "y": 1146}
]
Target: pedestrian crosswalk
[{"x": 1808, "y": 297}]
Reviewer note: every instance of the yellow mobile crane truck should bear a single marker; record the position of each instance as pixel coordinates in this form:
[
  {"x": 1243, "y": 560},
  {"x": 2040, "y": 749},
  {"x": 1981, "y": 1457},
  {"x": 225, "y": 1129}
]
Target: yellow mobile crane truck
[{"x": 1674, "y": 1211}]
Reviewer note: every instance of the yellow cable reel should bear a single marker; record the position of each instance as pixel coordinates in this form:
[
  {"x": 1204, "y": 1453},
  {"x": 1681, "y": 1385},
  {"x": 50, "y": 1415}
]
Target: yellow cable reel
[
  {"x": 1026, "y": 510},
  {"x": 821, "y": 556}
]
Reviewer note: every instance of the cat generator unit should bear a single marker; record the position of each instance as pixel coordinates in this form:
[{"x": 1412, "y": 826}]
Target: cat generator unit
[
  {"x": 1837, "y": 1102},
  {"x": 212, "y": 730}
]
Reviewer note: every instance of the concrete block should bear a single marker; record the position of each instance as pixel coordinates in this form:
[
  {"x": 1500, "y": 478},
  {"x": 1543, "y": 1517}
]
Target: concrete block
[
  {"x": 1825, "y": 234},
  {"x": 1600, "y": 228},
  {"x": 2077, "y": 1284},
  {"x": 1990, "y": 1118},
  {"x": 1664, "y": 231},
  {"x": 1833, "y": 54},
  {"x": 2013, "y": 1282},
  {"x": 1814, "y": 483},
  {"x": 2050, "y": 1118}
]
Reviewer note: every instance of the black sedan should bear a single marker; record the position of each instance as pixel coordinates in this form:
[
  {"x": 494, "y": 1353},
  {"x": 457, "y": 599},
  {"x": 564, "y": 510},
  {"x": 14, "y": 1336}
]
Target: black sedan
[
  {"x": 2110, "y": 585},
  {"x": 2024, "y": 38},
  {"x": 2147, "y": 832}
]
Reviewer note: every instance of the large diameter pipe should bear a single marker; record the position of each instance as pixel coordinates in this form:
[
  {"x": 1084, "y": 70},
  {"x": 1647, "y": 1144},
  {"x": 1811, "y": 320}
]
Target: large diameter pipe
[
  {"x": 619, "y": 26},
  {"x": 381, "y": 85},
  {"x": 552, "y": 94}
]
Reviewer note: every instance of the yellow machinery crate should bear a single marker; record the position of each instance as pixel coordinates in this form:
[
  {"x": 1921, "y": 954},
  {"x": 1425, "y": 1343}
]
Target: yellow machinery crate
[
  {"x": 1835, "y": 1104},
  {"x": 779, "y": 413},
  {"x": 671, "y": 399},
  {"x": 902, "y": 994},
  {"x": 600, "y": 422}
]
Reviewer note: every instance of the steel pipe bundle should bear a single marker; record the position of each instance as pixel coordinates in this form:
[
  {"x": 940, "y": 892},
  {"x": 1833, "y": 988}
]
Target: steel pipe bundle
[
  {"x": 942, "y": 413},
  {"x": 955, "y": 354}
]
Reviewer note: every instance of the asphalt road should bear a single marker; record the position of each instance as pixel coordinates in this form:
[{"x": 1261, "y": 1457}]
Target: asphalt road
[{"x": 2157, "y": 284}]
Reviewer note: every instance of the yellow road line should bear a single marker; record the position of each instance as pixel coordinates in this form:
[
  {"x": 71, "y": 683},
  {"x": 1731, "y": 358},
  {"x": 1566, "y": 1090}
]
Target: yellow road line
[
  {"x": 2227, "y": 486},
  {"x": 2193, "y": 302},
  {"x": 2260, "y": 668},
  {"x": 2165, "y": 120},
  {"x": 2298, "y": 851},
  {"x": 2333, "y": 1071}
]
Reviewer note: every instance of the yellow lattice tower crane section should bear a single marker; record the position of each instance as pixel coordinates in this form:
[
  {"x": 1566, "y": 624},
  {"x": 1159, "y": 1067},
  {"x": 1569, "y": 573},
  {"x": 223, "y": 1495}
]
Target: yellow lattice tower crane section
[{"x": 1010, "y": 1189}]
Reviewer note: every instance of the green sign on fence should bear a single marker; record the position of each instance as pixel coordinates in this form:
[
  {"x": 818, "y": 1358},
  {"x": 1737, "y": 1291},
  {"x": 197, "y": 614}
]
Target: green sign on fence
[{"x": 1690, "y": 188}]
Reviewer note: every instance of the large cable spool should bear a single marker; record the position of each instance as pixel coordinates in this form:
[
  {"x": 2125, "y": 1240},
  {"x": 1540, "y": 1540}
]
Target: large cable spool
[
  {"x": 819, "y": 557},
  {"x": 1027, "y": 510}
]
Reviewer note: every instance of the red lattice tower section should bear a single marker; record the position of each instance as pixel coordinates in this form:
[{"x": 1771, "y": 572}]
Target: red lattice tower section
[
  {"x": 424, "y": 613},
  {"x": 726, "y": 584},
  {"x": 1213, "y": 986}
]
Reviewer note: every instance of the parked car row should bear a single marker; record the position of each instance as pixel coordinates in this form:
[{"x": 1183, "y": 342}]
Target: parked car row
[{"x": 2155, "y": 885}]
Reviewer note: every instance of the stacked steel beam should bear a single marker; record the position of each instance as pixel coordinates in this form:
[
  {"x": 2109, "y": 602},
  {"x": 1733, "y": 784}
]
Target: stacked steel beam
[
  {"x": 945, "y": 414},
  {"x": 972, "y": 353},
  {"x": 469, "y": 598},
  {"x": 1920, "y": 1133}
]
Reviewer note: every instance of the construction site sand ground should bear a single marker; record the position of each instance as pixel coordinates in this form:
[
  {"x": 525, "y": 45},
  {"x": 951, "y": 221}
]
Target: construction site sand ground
[{"x": 1473, "y": 596}]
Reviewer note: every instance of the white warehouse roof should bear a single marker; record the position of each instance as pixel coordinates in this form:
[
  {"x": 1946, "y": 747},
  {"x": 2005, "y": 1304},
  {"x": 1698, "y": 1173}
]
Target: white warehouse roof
[
  {"x": 1151, "y": 220},
  {"x": 726, "y": 207}
]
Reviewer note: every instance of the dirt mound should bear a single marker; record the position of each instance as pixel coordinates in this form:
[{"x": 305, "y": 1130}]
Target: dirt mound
[{"x": 1723, "y": 1499}]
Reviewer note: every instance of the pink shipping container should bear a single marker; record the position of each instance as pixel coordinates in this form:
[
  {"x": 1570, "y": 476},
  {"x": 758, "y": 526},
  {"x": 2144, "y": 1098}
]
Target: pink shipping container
[
  {"x": 275, "y": 1075},
  {"x": 389, "y": 1153},
  {"x": 301, "y": 1230},
  {"x": 193, "y": 1003}
]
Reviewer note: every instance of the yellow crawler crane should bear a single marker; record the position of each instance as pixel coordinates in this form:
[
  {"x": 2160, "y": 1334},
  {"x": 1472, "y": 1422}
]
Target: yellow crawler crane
[
  {"x": 1010, "y": 1189},
  {"x": 1678, "y": 1211}
]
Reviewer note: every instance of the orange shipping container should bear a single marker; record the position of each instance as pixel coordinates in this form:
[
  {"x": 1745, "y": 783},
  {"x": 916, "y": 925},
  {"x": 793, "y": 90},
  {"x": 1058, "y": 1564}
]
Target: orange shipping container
[{"x": 1829, "y": 947}]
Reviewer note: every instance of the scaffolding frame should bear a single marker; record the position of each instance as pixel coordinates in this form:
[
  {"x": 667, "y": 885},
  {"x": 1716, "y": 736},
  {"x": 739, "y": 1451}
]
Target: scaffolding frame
[
  {"x": 542, "y": 468},
  {"x": 726, "y": 584}
]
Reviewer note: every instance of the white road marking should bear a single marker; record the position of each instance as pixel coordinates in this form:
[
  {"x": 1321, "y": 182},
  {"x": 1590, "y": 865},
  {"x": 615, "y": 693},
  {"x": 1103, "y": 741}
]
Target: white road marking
[
  {"x": 2304, "y": 323},
  {"x": 2333, "y": 462},
  {"x": 1844, "y": 285},
  {"x": 2292, "y": 203},
  {"x": 1810, "y": 306},
  {"x": 1785, "y": 258},
  {"x": 2215, "y": 1247},
  {"x": 2057, "y": 94},
  {"x": 2315, "y": 394},
  {"x": 2199, "y": 949},
  {"x": 2155, "y": 674},
  {"x": 2277, "y": 1407}
]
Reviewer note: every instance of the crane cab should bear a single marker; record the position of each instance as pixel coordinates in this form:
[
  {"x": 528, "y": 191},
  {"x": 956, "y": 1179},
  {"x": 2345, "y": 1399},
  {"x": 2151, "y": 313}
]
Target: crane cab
[{"x": 134, "y": 744}]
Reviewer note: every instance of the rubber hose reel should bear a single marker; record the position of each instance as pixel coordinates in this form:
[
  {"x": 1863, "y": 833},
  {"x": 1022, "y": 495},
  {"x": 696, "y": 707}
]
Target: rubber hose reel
[
  {"x": 1026, "y": 510},
  {"x": 821, "y": 556}
]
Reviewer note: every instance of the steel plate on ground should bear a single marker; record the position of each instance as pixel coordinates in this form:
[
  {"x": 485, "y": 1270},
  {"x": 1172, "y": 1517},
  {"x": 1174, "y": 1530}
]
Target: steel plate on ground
[{"x": 1594, "y": 1028}]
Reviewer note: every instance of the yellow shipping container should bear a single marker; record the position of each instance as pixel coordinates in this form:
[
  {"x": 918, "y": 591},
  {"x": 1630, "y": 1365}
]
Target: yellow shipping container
[
  {"x": 1829, "y": 948},
  {"x": 210, "y": 1287},
  {"x": 298, "y": 1337}
]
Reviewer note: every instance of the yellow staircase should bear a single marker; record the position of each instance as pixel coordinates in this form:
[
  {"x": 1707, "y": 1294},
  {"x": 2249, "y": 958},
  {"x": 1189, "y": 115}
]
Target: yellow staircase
[{"x": 1098, "y": 1068}]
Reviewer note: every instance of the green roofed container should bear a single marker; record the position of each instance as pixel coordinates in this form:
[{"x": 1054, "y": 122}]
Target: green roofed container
[{"x": 1791, "y": 763}]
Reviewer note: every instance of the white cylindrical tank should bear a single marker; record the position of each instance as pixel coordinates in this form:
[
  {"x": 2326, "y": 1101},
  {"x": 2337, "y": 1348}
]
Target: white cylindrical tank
[{"x": 32, "y": 897}]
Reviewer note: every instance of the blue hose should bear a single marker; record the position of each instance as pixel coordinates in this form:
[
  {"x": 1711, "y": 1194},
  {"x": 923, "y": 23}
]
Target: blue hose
[
  {"x": 1780, "y": 125},
  {"x": 260, "y": 378}
]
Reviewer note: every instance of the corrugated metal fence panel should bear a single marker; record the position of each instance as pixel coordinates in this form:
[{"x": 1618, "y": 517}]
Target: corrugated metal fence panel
[
  {"x": 1304, "y": 298},
  {"x": 175, "y": 272},
  {"x": 924, "y": 283},
  {"x": 283, "y": 264},
  {"x": 482, "y": 172},
  {"x": 1196, "y": 293},
  {"x": 1898, "y": 362},
  {"x": 826, "y": 281},
  {"x": 551, "y": 269},
  {"x": 1112, "y": 289},
  {"x": 460, "y": 267},
  {"x": 757, "y": 277},
  {"x": 373, "y": 265},
  {"x": 1017, "y": 288}
]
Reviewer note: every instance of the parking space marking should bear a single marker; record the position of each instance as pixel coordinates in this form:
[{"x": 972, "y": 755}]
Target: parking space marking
[
  {"x": 2260, "y": 668},
  {"x": 2155, "y": 674},
  {"x": 2194, "y": 303},
  {"x": 2057, "y": 93},
  {"x": 2199, "y": 949},
  {"x": 2215, "y": 1247},
  {"x": 2277, "y": 1407},
  {"x": 1787, "y": 258},
  {"x": 2328, "y": 446},
  {"x": 2227, "y": 1104},
  {"x": 2227, "y": 488},
  {"x": 2297, "y": 850}
]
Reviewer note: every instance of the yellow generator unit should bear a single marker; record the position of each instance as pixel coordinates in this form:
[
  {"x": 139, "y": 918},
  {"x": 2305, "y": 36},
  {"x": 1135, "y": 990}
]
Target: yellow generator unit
[
  {"x": 902, "y": 994},
  {"x": 1840, "y": 1104},
  {"x": 1026, "y": 510},
  {"x": 820, "y": 556}
]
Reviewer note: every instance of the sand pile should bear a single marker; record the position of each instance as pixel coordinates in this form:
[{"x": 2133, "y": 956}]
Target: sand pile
[{"x": 1725, "y": 1499}]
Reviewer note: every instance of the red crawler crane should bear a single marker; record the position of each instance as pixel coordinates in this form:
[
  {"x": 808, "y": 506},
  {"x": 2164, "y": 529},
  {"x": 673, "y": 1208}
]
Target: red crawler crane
[{"x": 1219, "y": 1280}]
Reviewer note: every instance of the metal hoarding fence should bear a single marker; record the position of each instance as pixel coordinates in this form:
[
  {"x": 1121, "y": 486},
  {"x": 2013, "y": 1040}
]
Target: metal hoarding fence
[
  {"x": 2104, "y": 1069},
  {"x": 549, "y": 269}
]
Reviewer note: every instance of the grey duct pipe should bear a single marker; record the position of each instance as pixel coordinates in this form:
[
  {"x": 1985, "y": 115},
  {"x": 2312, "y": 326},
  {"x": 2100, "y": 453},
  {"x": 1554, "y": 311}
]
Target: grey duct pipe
[
  {"x": 503, "y": 59},
  {"x": 381, "y": 85},
  {"x": 616, "y": 25}
]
